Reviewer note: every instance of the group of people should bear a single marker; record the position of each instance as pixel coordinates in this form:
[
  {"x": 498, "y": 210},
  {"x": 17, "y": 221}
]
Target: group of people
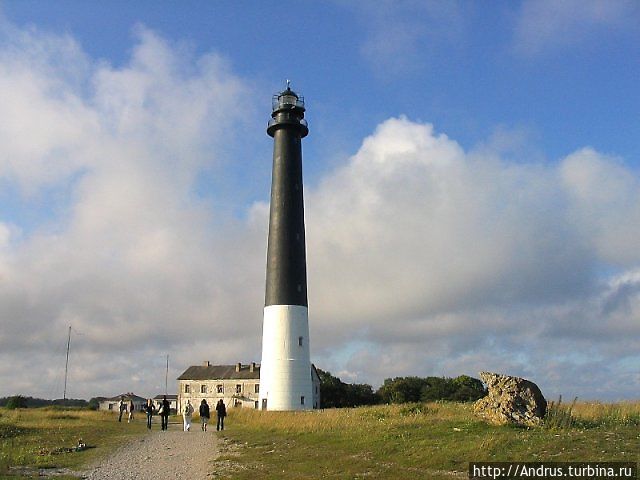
[
  {"x": 187, "y": 413},
  {"x": 124, "y": 407},
  {"x": 205, "y": 415}
]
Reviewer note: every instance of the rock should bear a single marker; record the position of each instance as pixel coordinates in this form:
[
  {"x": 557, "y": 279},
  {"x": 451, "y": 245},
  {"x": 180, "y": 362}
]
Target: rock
[{"x": 511, "y": 400}]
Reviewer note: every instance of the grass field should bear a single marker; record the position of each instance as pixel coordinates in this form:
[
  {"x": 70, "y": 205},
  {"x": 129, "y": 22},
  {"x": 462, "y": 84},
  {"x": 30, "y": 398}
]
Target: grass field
[
  {"x": 435, "y": 441},
  {"x": 39, "y": 437}
]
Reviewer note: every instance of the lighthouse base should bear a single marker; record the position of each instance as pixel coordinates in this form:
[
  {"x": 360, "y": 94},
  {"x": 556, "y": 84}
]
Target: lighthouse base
[{"x": 285, "y": 370}]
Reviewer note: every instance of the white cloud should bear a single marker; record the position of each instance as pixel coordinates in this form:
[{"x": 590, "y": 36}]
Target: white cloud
[
  {"x": 133, "y": 262},
  {"x": 544, "y": 25},
  {"x": 423, "y": 258},
  {"x": 436, "y": 258},
  {"x": 605, "y": 204},
  {"x": 412, "y": 213}
]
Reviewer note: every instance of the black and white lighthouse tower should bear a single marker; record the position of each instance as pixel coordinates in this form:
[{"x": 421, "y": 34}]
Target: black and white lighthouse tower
[{"x": 285, "y": 372}]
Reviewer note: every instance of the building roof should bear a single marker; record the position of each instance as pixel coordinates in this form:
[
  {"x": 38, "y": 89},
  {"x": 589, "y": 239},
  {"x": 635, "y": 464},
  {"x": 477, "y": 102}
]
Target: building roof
[
  {"x": 169, "y": 397},
  {"x": 221, "y": 372},
  {"x": 127, "y": 396}
]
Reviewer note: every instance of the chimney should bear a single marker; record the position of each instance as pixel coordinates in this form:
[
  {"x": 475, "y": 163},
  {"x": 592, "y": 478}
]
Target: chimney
[
  {"x": 238, "y": 367},
  {"x": 206, "y": 363},
  {"x": 252, "y": 367}
]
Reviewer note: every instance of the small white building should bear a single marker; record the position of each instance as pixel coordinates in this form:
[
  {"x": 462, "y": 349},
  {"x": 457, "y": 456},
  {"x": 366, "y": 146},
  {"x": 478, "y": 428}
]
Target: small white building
[
  {"x": 237, "y": 385},
  {"x": 112, "y": 404},
  {"x": 172, "y": 399}
]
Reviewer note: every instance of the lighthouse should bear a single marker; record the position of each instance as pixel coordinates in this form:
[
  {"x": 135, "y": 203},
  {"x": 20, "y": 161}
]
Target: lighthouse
[{"x": 286, "y": 371}]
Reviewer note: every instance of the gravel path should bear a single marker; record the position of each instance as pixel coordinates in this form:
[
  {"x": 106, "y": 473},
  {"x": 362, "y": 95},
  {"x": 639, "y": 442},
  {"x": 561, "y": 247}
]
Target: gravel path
[{"x": 158, "y": 455}]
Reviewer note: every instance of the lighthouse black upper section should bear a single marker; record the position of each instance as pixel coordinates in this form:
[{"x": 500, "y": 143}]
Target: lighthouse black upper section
[{"x": 286, "y": 258}]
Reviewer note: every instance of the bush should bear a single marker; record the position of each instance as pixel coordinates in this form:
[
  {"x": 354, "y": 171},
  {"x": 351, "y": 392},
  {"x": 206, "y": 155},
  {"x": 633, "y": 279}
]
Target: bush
[{"x": 17, "y": 401}]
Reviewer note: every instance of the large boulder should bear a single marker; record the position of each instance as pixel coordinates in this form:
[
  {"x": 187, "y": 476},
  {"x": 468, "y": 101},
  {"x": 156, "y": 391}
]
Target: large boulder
[{"x": 511, "y": 400}]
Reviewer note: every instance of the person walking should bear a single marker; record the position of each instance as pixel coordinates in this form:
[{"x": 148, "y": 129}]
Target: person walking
[
  {"x": 204, "y": 414},
  {"x": 222, "y": 412},
  {"x": 131, "y": 408},
  {"x": 164, "y": 411},
  {"x": 187, "y": 411},
  {"x": 149, "y": 408},
  {"x": 122, "y": 407}
]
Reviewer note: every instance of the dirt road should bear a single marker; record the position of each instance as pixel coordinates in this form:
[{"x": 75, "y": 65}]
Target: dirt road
[{"x": 159, "y": 455}]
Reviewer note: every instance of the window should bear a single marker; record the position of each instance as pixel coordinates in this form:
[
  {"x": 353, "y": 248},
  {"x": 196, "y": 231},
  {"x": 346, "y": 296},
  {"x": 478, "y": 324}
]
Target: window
[
  {"x": 186, "y": 388},
  {"x": 238, "y": 388},
  {"x": 302, "y": 400},
  {"x": 257, "y": 388},
  {"x": 203, "y": 389},
  {"x": 220, "y": 389},
  {"x": 300, "y": 341}
]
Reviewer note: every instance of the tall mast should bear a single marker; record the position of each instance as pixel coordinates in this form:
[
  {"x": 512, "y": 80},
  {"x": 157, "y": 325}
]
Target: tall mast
[
  {"x": 166, "y": 376},
  {"x": 66, "y": 366}
]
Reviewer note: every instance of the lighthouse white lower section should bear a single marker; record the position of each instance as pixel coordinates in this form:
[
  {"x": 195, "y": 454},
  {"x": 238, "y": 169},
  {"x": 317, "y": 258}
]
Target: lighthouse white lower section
[{"x": 285, "y": 370}]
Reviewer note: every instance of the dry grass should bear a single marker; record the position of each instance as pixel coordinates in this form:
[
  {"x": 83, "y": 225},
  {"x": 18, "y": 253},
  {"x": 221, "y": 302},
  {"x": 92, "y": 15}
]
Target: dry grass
[
  {"x": 434, "y": 440},
  {"x": 591, "y": 414},
  {"x": 623, "y": 413}
]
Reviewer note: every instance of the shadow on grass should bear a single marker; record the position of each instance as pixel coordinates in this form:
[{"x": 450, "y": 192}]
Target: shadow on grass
[{"x": 9, "y": 430}]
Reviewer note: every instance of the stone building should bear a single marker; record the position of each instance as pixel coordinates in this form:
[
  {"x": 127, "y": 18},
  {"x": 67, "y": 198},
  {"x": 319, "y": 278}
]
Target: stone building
[{"x": 237, "y": 385}]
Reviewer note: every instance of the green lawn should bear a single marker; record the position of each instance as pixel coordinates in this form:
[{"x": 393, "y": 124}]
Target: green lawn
[
  {"x": 432, "y": 440},
  {"x": 39, "y": 437}
]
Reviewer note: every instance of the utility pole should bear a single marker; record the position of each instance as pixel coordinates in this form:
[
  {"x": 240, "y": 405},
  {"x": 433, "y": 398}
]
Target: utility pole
[
  {"x": 166, "y": 377},
  {"x": 66, "y": 366}
]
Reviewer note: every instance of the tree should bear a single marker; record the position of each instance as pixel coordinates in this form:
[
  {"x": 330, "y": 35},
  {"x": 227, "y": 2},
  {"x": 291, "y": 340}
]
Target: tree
[
  {"x": 331, "y": 390},
  {"x": 17, "y": 401},
  {"x": 437, "y": 388},
  {"x": 361, "y": 394},
  {"x": 429, "y": 389},
  {"x": 468, "y": 389},
  {"x": 334, "y": 393},
  {"x": 401, "y": 389}
]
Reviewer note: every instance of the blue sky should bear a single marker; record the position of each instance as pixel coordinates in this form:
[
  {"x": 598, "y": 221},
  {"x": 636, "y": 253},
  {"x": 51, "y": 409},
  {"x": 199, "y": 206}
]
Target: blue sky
[
  {"x": 472, "y": 190},
  {"x": 466, "y": 67}
]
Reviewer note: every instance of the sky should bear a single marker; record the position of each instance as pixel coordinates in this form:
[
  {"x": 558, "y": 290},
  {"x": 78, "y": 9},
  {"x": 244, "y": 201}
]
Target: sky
[{"x": 472, "y": 189}]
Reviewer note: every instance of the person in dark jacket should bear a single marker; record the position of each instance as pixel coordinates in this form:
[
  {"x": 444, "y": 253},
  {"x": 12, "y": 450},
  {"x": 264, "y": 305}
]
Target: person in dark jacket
[
  {"x": 122, "y": 407},
  {"x": 204, "y": 414},
  {"x": 222, "y": 412},
  {"x": 165, "y": 408},
  {"x": 150, "y": 409}
]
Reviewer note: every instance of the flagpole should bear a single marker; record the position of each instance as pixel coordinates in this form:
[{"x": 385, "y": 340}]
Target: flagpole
[
  {"x": 166, "y": 377},
  {"x": 66, "y": 366}
]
